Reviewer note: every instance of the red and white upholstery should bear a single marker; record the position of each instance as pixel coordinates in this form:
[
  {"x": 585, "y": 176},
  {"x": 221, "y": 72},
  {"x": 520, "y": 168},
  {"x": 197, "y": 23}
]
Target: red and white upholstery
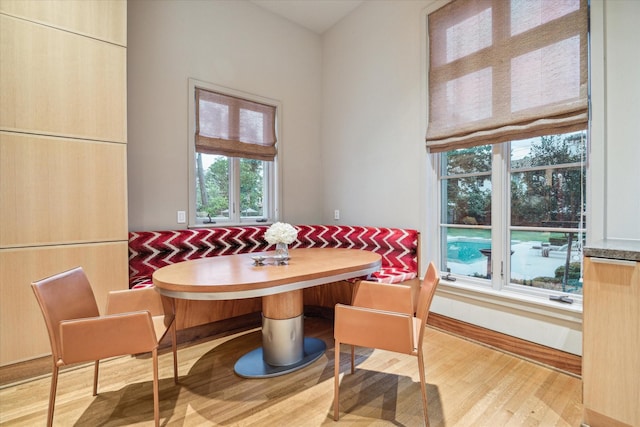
[
  {"x": 397, "y": 246},
  {"x": 150, "y": 250}
]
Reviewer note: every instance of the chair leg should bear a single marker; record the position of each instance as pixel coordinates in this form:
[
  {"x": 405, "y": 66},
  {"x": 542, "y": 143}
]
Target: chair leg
[
  {"x": 336, "y": 383},
  {"x": 423, "y": 388},
  {"x": 353, "y": 359},
  {"x": 95, "y": 378},
  {"x": 52, "y": 395},
  {"x": 156, "y": 399},
  {"x": 174, "y": 347}
]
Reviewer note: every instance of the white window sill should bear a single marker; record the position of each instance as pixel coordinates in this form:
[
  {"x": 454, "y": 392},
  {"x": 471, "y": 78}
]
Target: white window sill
[
  {"x": 509, "y": 299},
  {"x": 230, "y": 224}
]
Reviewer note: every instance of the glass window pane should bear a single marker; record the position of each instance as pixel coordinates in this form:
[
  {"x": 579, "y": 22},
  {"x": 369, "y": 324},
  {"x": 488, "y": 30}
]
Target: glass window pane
[
  {"x": 558, "y": 72},
  {"x": 466, "y": 251},
  {"x": 527, "y": 14},
  {"x": 467, "y": 200},
  {"x": 469, "y": 36},
  {"x": 468, "y": 98},
  {"x": 548, "y": 198},
  {"x": 251, "y": 126},
  {"x": 540, "y": 259},
  {"x": 548, "y": 193},
  {"x": 548, "y": 150},
  {"x": 467, "y": 160},
  {"x": 212, "y": 187},
  {"x": 251, "y": 188},
  {"x": 544, "y": 194},
  {"x": 213, "y": 119}
]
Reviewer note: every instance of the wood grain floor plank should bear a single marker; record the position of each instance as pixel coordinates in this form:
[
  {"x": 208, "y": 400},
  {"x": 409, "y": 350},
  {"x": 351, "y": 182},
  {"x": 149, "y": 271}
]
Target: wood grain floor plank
[{"x": 468, "y": 385}]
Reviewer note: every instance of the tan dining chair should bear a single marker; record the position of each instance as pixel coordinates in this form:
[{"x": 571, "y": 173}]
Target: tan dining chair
[
  {"x": 382, "y": 316},
  {"x": 135, "y": 322}
]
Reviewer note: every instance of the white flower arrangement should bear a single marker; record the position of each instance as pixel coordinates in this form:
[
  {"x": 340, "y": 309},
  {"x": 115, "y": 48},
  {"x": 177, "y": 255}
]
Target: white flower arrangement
[{"x": 281, "y": 232}]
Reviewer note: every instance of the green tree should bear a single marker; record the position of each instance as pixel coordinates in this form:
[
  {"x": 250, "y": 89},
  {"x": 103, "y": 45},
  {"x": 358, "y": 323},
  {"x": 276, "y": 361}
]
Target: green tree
[
  {"x": 251, "y": 180},
  {"x": 213, "y": 194},
  {"x": 216, "y": 185},
  {"x": 469, "y": 198},
  {"x": 551, "y": 194}
]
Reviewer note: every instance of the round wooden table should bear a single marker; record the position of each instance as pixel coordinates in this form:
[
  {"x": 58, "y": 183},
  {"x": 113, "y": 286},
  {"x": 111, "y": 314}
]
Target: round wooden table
[{"x": 284, "y": 347}]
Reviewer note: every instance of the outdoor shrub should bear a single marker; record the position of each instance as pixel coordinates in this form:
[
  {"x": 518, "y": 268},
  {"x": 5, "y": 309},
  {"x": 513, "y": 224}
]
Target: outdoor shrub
[
  {"x": 469, "y": 220},
  {"x": 574, "y": 271}
]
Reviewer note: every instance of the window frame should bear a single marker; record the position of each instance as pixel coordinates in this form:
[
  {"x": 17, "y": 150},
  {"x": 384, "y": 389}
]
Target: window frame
[
  {"x": 272, "y": 170},
  {"x": 463, "y": 293},
  {"x": 500, "y": 229}
]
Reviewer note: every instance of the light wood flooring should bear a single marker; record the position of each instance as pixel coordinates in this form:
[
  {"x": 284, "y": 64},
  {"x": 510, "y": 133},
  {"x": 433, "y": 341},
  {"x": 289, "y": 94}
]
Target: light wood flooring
[{"x": 468, "y": 385}]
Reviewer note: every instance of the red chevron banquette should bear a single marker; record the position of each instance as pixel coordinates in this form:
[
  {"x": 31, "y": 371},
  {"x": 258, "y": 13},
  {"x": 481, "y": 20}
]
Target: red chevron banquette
[{"x": 150, "y": 250}]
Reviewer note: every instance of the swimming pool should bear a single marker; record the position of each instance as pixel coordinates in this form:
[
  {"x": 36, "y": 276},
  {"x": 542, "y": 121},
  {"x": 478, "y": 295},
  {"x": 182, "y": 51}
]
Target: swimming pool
[{"x": 466, "y": 251}]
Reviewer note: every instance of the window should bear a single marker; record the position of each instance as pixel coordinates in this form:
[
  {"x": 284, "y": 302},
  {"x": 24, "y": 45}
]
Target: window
[
  {"x": 233, "y": 169},
  {"x": 532, "y": 229},
  {"x": 508, "y": 113}
]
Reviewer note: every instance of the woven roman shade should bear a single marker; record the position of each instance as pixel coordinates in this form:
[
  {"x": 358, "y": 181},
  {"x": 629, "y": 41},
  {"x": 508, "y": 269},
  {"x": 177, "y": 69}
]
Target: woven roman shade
[
  {"x": 503, "y": 70},
  {"x": 234, "y": 127}
]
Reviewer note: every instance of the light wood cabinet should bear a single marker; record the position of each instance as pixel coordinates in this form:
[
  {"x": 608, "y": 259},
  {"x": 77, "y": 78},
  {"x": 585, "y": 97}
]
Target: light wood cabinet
[
  {"x": 61, "y": 190},
  {"x": 611, "y": 343},
  {"x": 63, "y": 135},
  {"x": 24, "y": 335},
  {"x": 102, "y": 19},
  {"x": 59, "y": 83}
]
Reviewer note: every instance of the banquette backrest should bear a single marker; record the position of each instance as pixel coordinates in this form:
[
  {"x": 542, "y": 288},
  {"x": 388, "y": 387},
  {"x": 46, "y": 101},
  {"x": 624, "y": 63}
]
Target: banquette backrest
[{"x": 150, "y": 250}]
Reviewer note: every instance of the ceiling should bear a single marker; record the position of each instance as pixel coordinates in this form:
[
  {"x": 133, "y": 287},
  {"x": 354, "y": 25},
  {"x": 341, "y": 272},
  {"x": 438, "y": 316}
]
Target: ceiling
[{"x": 316, "y": 15}]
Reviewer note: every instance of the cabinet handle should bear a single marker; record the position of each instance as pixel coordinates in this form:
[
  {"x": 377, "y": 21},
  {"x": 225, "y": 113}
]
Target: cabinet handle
[{"x": 622, "y": 262}]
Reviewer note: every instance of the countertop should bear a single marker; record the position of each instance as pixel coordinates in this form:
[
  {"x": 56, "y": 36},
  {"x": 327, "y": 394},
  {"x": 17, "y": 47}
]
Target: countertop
[{"x": 614, "y": 249}]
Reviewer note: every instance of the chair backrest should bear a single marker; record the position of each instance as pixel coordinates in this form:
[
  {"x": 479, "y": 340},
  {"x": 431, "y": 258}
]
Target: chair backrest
[
  {"x": 427, "y": 290},
  {"x": 64, "y": 296}
]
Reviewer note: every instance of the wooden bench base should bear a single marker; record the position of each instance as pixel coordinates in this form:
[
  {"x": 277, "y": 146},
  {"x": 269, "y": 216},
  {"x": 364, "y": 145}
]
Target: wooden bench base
[{"x": 191, "y": 313}]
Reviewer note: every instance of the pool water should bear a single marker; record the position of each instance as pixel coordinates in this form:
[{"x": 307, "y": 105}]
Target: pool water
[{"x": 466, "y": 252}]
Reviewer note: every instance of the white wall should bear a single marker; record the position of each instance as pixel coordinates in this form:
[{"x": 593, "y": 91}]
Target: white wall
[
  {"x": 621, "y": 118},
  {"x": 375, "y": 163},
  {"x": 372, "y": 137},
  {"x": 229, "y": 43},
  {"x": 354, "y": 124}
]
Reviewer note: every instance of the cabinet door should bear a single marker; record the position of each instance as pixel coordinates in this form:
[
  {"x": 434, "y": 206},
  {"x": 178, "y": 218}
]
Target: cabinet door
[
  {"x": 59, "y": 83},
  {"x": 611, "y": 341},
  {"x": 24, "y": 335},
  {"x": 63, "y": 169},
  {"x": 98, "y": 19},
  {"x": 61, "y": 190}
]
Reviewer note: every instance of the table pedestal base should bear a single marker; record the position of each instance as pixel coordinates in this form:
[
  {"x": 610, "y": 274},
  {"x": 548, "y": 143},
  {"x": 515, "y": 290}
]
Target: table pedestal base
[
  {"x": 284, "y": 347},
  {"x": 252, "y": 364},
  {"x": 282, "y": 340}
]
